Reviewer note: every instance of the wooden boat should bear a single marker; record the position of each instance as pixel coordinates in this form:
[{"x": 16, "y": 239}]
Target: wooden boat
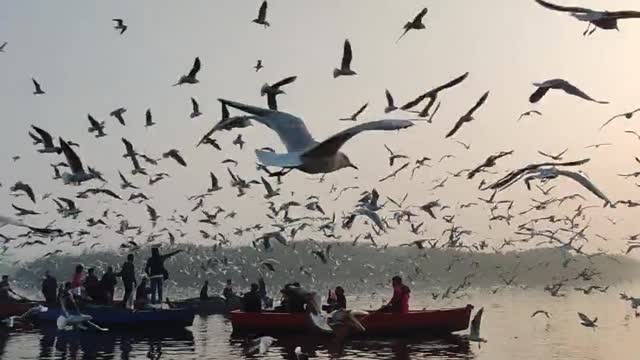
[
  {"x": 215, "y": 305},
  {"x": 16, "y": 308},
  {"x": 443, "y": 321},
  {"x": 116, "y": 317}
]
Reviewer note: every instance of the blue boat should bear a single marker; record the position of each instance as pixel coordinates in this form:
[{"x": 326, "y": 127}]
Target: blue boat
[{"x": 118, "y": 318}]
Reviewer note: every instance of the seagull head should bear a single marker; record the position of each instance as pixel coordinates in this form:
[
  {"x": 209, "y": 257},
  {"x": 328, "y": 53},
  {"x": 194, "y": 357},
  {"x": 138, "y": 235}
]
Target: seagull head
[{"x": 343, "y": 161}]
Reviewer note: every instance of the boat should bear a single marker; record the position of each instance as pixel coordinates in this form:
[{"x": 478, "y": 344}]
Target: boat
[
  {"x": 444, "y": 321},
  {"x": 117, "y": 317},
  {"x": 16, "y": 308},
  {"x": 215, "y": 305}
]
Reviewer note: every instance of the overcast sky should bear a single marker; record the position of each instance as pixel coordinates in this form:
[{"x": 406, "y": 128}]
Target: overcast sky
[{"x": 85, "y": 66}]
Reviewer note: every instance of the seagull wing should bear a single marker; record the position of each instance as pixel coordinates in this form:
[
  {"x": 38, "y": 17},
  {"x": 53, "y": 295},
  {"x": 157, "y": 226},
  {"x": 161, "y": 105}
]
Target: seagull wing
[
  {"x": 572, "y": 90},
  {"x": 94, "y": 123},
  {"x": 148, "y": 117},
  {"x": 128, "y": 147},
  {"x": 389, "y": 97},
  {"x": 475, "y": 324},
  {"x": 586, "y": 183},
  {"x": 36, "y": 84},
  {"x": 267, "y": 186},
  {"x": 420, "y": 15},
  {"x": 538, "y": 94},
  {"x": 555, "y": 7},
  {"x": 434, "y": 91},
  {"x": 628, "y": 14},
  {"x": 70, "y": 204},
  {"x": 478, "y": 104},
  {"x": 362, "y": 109},
  {"x": 262, "y": 13},
  {"x": 47, "y": 140},
  {"x": 331, "y": 145},
  {"x": 195, "y": 106},
  {"x": 214, "y": 180},
  {"x": 292, "y": 130},
  {"x": 195, "y": 68},
  {"x": 346, "y": 55},
  {"x": 456, "y": 127},
  {"x": 72, "y": 158},
  {"x": 584, "y": 317},
  {"x": 285, "y": 81},
  {"x": 610, "y": 120},
  {"x": 118, "y": 22}
]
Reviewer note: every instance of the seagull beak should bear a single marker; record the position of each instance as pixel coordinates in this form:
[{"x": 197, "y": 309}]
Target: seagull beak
[{"x": 352, "y": 166}]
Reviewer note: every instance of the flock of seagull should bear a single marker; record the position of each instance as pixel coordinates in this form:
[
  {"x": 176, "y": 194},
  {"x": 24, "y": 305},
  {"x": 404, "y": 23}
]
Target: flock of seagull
[{"x": 306, "y": 154}]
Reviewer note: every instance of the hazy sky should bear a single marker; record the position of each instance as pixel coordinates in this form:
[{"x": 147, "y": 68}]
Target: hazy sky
[{"x": 85, "y": 66}]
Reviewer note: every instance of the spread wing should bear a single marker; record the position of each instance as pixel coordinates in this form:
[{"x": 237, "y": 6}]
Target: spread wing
[
  {"x": 420, "y": 15},
  {"x": 538, "y": 94},
  {"x": 128, "y": 147},
  {"x": 292, "y": 130},
  {"x": 362, "y": 109},
  {"x": 45, "y": 136},
  {"x": 573, "y": 9},
  {"x": 456, "y": 127},
  {"x": 624, "y": 14},
  {"x": 584, "y": 317},
  {"x": 434, "y": 91},
  {"x": 479, "y": 103},
  {"x": 72, "y": 158},
  {"x": 195, "y": 68},
  {"x": 194, "y": 105},
  {"x": 335, "y": 142},
  {"x": 285, "y": 81},
  {"x": 262, "y": 13},
  {"x": 586, "y": 183},
  {"x": 346, "y": 55},
  {"x": 572, "y": 90},
  {"x": 389, "y": 97}
]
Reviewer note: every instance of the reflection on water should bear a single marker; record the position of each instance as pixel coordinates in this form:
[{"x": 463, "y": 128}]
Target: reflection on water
[{"x": 507, "y": 324}]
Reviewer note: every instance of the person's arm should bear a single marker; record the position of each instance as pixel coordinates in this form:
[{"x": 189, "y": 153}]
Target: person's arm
[
  {"x": 166, "y": 256},
  {"x": 147, "y": 268}
]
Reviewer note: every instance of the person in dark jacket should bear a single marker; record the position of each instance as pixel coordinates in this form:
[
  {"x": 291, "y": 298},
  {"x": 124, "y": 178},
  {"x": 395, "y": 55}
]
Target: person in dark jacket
[
  {"x": 92, "y": 287},
  {"x": 50, "y": 289},
  {"x": 204, "y": 292},
  {"x": 108, "y": 284},
  {"x": 128, "y": 275},
  {"x": 157, "y": 273},
  {"x": 251, "y": 301},
  {"x": 341, "y": 300}
]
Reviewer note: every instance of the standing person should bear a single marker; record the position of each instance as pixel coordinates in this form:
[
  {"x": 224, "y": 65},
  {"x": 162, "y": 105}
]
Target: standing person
[
  {"x": 227, "y": 293},
  {"x": 157, "y": 273},
  {"x": 251, "y": 301},
  {"x": 400, "y": 301},
  {"x": 49, "y": 288},
  {"x": 108, "y": 284},
  {"x": 204, "y": 292},
  {"x": 128, "y": 275},
  {"x": 92, "y": 286},
  {"x": 77, "y": 280},
  {"x": 341, "y": 300},
  {"x": 6, "y": 291}
]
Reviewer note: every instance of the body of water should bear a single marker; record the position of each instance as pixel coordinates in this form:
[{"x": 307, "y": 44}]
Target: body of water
[{"x": 507, "y": 325}]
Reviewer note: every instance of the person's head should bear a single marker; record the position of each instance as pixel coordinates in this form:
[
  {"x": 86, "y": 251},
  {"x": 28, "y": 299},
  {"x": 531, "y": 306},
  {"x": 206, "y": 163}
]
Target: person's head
[
  {"x": 109, "y": 269},
  {"x": 339, "y": 290},
  {"x": 91, "y": 271},
  {"x": 79, "y": 269},
  {"x": 229, "y": 282},
  {"x": 47, "y": 273},
  {"x": 396, "y": 280},
  {"x": 130, "y": 258},
  {"x": 254, "y": 287},
  {"x": 155, "y": 252},
  {"x": 206, "y": 282},
  {"x": 5, "y": 277},
  {"x": 67, "y": 285}
]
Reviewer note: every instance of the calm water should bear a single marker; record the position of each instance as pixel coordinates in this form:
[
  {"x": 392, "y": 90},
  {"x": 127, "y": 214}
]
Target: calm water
[{"x": 507, "y": 325}]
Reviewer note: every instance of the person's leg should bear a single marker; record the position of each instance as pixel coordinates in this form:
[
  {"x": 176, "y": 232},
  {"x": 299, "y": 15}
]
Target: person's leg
[
  {"x": 128, "y": 291},
  {"x": 154, "y": 290},
  {"x": 160, "y": 288}
]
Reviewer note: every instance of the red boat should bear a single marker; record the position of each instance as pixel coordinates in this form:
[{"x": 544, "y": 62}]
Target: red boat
[
  {"x": 376, "y": 323},
  {"x": 15, "y": 308}
]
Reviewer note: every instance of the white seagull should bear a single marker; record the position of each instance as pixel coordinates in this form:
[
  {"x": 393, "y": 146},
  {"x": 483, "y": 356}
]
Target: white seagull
[{"x": 303, "y": 151}]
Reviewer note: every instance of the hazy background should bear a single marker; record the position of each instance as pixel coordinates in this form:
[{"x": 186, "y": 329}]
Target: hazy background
[{"x": 85, "y": 66}]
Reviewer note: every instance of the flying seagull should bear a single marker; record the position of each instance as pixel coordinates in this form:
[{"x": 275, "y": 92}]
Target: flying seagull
[
  {"x": 303, "y": 152},
  {"x": 258, "y": 65},
  {"x": 4, "y": 44},
  {"x": 432, "y": 95},
  {"x": 117, "y": 113},
  {"x": 390, "y": 105},
  {"x": 214, "y": 183},
  {"x": 415, "y": 24},
  {"x": 468, "y": 117},
  {"x": 354, "y": 116},
  {"x": 120, "y": 26},
  {"x": 627, "y": 115},
  {"x": 96, "y": 126},
  {"x": 559, "y": 84},
  {"x": 274, "y": 90},
  {"x": 38, "y": 89},
  {"x": 529, "y": 113},
  {"x": 137, "y": 169},
  {"x": 78, "y": 174},
  {"x": 47, "y": 141},
  {"x": 262, "y": 15},
  {"x": 20, "y": 186},
  {"x": 190, "y": 78},
  {"x": 557, "y": 157},
  {"x": 605, "y": 20},
  {"x": 175, "y": 155},
  {"x": 195, "y": 109},
  {"x": 148, "y": 119},
  {"x": 585, "y": 321},
  {"x": 345, "y": 66}
]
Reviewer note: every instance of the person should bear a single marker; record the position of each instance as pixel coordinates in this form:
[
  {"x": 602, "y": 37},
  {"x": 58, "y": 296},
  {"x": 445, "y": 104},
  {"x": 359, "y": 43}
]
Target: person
[
  {"x": 157, "y": 273},
  {"x": 204, "y": 292},
  {"x": 6, "y": 291},
  {"x": 108, "y": 285},
  {"x": 251, "y": 301},
  {"x": 293, "y": 302},
  {"x": 49, "y": 288},
  {"x": 227, "y": 292},
  {"x": 66, "y": 296},
  {"x": 142, "y": 294},
  {"x": 92, "y": 287},
  {"x": 77, "y": 280},
  {"x": 262, "y": 288},
  {"x": 128, "y": 275},
  {"x": 400, "y": 301},
  {"x": 341, "y": 300}
]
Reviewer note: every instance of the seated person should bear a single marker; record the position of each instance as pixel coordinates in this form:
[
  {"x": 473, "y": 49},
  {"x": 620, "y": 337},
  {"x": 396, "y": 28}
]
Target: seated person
[
  {"x": 295, "y": 303},
  {"x": 400, "y": 301},
  {"x": 341, "y": 300},
  {"x": 93, "y": 288},
  {"x": 251, "y": 301}
]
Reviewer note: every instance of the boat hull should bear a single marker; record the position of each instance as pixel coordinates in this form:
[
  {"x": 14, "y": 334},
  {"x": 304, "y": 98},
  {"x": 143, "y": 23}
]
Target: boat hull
[
  {"x": 213, "y": 306},
  {"x": 110, "y": 317},
  {"x": 444, "y": 321},
  {"x": 16, "y": 308}
]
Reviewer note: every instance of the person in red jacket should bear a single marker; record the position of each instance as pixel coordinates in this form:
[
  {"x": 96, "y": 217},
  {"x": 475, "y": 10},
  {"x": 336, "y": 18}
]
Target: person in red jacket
[{"x": 400, "y": 301}]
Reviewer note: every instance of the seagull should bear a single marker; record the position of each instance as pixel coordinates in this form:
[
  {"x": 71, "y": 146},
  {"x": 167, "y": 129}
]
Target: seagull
[
  {"x": 633, "y": 132},
  {"x": 137, "y": 169},
  {"x": 474, "y": 332},
  {"x": 175, "y": 155},
  {"x": 585, "y": 321},
  {"x": 238, "y": 141},
  {"x": 47, "y": 141},
  {"x": 78, "y": 174},
  {"x": 120, "y": 26},
  {"x": 545, "y": 313},
  {"x": 557, "y": 157},
  {"x": 196, "y": 109},
  {"x": 117, "y": 113},
  {"x": 262, "y": 344},
  {"x": 4, "y": 44},
  {"x": 262, "y": 15},
  {"x": 606, "y": 20},
  {"x": 24, "y": 212},
  {"x": 596, "y": 146},
  {"x": 214, "y": 183},
  {"x": 354, "y": 116},
  {"x": 153, "y": 215},
  {"x": 190, "y": 78},
  {"x": 559, "y": 84},
  {"x": 96, "y": 126},
  {"x": 225, "y": 123},
  {"x": 345, "y": 66},
  {"x": 20, "y": 186},
  {"x": 258, "y": 65},
  {"x": 272, "y": 91},
  {"x": 270, "y": 192},
  {"x": 303, "y": 152},
  {"x": 415, "y": 24},
  {"x": 390, "y": 105},
  {"x": 627, "y": 115},
  {"x": 393, "y": 156},
  {"x": 432, "y": 95},
  {"x": 529, "y": 113},
  {"x": 38, "y": 89},
  {"x": 468, "y": 117},
  {"x": 148, "y": 119},
  {"x": 126, "y": 183}
]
